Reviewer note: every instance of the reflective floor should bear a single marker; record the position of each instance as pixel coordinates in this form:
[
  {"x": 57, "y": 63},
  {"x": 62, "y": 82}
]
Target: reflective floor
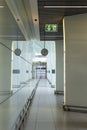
[
  {"x": 46, "y": 112},
  {"x": 4, "y": 97},
  {"x": 11, "y": 107}
]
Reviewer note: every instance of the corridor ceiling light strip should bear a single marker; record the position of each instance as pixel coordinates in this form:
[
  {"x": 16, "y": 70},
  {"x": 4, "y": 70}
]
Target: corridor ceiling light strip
[
  {"x": 54, "y": 36},
  {"x": 65, "y": 7}
]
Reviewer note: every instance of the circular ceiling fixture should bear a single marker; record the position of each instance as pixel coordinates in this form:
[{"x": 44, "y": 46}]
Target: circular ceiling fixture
[
  {"x": 44, "y": 51},
  {"x": 17, "y": 52}
]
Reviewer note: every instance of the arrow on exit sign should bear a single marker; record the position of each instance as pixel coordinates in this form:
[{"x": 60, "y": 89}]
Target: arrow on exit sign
[{"x": 51, "y": 27}]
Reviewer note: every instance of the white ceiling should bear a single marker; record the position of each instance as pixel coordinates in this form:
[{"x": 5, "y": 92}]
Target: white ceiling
[
  {"x": 18, "y": 18},
  {"x": 8, "y": 26}
]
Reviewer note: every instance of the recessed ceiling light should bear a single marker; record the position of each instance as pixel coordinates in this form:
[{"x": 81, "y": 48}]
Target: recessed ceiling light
[
  {"x": 65, "y": 6},
  {"x": 1, "y": 6}
]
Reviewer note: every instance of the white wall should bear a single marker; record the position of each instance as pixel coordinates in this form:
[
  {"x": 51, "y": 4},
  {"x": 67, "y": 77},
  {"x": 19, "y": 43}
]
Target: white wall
[
  {"x": 75, "y": 41},
  {"x": 5, "y": 67},
  {"x": 22, "y": 65},
  {"x": 28, "y": 52},
  {"x": 59, "y": 66},
  {"x": 51, "y": 62}
]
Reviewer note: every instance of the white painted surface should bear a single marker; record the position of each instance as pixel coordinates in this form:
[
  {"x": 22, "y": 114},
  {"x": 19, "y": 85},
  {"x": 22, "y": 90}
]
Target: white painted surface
[
  {"x": 59, "y": 66},
  {"x": 22, "y": 65},
  {"x": 5, "y": 67},
  {"x": 75, "y": 38},
  {"x": 51, "y": 62}
]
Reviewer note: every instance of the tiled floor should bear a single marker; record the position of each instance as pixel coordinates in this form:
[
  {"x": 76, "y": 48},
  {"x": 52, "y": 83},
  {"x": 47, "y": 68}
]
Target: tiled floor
[{"x": 46, "y": 112}]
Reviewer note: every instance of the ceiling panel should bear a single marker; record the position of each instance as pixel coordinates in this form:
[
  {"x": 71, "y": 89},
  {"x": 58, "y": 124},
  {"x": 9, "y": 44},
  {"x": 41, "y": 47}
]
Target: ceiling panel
[
  {"x": 8, "y": 26},
  {"x": 55, "y": 15}
]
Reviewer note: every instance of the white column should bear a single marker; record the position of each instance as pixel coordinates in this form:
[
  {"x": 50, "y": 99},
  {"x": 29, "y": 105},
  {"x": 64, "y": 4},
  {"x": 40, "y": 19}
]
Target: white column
[
  {"x": 5, "y": 67},
  {"x": 59, "y": 67},
  {"x": 51, "y": 62},
  {"x": 75, "y": 42}
]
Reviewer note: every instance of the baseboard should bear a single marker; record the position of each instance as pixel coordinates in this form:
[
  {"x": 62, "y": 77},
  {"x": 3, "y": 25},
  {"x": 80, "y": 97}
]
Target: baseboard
[
  {"x": 5, "y": 92},
  {"x": 81, "y": 109},
  {"x": 16, "y": 86},
  {"x": 59, "y": 92}
]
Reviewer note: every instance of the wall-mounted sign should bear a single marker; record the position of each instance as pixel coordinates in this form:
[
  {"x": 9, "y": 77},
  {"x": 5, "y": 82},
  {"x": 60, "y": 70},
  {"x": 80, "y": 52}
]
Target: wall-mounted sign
[
  {"x": 53, "y": 71},
  {"x": 16, "y": 71},
  {"x": 51, "y": 27}
]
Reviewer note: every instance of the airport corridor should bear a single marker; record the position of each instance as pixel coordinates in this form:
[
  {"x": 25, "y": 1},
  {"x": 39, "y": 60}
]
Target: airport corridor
[{"x": 46, "y": 112}]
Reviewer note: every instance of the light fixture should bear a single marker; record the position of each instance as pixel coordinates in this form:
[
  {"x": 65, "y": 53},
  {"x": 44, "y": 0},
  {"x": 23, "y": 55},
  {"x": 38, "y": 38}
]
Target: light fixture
[
  {"x": 17, "y": 50},
  {"x": 65, "y": 6},
  {"x": 44, "y": 51}
]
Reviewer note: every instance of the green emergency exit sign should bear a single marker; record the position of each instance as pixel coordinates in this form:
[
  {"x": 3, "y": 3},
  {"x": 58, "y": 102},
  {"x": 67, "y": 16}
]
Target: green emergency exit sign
[{"x": 51, "y": 27}]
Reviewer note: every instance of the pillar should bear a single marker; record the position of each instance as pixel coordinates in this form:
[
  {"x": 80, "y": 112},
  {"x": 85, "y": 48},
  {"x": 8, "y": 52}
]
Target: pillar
[
  {"x": 75, "y": 66},
  {"x": 51, "y": 63},
  {"x": 59, "y": 67},
  {"x": 5, "y": 67}
]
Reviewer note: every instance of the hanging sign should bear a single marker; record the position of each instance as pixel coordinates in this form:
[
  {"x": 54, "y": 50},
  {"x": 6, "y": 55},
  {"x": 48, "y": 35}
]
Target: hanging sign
[
  {"x": 51, "y": 27},
  {"x": 44, "y": 52}
]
